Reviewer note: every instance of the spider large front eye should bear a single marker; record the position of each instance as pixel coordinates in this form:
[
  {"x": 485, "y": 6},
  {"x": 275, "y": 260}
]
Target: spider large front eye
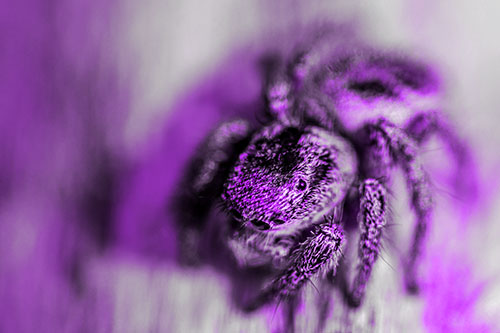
[{"x": 301, "y": 185}]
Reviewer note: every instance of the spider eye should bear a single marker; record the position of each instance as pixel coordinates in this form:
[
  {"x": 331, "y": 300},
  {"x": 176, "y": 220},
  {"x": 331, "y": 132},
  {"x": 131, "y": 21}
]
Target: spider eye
[
  {"x": 278, "y": 221},
  {"x": 301, "y": 185},
  {"x": 236, "y": 214},
  {"x": 261, "y": 225}
]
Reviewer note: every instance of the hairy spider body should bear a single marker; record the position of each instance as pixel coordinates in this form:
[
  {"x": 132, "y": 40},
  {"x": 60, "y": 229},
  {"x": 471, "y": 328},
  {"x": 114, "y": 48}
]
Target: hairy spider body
[
  {"x": 286, "y": 181},
  {"x": 338, "y": 123}
]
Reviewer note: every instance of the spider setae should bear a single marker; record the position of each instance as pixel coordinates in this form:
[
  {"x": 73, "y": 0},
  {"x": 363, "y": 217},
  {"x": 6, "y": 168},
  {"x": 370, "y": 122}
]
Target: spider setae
[{"x": 338, "y": 122}]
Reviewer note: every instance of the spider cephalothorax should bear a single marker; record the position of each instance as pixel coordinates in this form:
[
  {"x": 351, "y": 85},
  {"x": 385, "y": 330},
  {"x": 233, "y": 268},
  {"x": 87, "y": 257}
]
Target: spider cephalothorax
[
  {"x": 286, "y": 180},
  {"x": 340, "y": 121},
  {"x": 289, "y": 176}
]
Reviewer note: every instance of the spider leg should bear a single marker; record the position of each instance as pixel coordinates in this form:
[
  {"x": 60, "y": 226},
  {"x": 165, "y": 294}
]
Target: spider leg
[
  {"x": 308, "y": 62},
  {"x": 278, "y": 90},
  {"x": 465, "y": 178},
  {"x": 203, "y": 182},
  {"x": 372, "y": 218},
  {"x": 405, "y": 152},
  {"x": 290, "y": 90},
  {"x": 317, "y": 255},
  {"x": 318, "y": 52}
]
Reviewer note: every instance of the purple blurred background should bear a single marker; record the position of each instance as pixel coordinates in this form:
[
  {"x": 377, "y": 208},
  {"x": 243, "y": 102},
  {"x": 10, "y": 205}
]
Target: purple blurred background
[{"x": 102, "y": 104}]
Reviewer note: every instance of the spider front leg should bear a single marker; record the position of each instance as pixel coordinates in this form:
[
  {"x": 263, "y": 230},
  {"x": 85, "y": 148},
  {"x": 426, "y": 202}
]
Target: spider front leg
[
  {"x": 203, "y": 182},
  {"x": 317, "y": 255},
  {"x": 372, "y": 219}
]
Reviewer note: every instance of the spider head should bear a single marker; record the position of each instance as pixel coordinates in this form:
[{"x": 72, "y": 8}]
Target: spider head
[{"x": 288, "y": 178}]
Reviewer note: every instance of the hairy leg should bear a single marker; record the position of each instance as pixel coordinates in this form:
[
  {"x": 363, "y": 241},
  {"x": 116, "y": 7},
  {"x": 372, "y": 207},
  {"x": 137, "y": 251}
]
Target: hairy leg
[
  {"x": 377, "y": 158},
  {"x": 278, "y": 89},
  {"x": 317, "y": 255},
  {"x": 372, "y": 218},
  {"x": 311, "y": 60},
  {"x": 465, "y": 177},
  {"x": 203, "y": 181},
  {"x": 405, "y": 152}
]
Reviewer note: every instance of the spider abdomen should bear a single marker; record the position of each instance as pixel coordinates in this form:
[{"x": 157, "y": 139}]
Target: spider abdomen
[{"x": 371, "y": 87}]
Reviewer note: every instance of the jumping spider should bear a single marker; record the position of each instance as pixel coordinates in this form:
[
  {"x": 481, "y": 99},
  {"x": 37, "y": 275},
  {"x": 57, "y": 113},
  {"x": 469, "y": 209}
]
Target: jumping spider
[{"x": 338, "y": 122}]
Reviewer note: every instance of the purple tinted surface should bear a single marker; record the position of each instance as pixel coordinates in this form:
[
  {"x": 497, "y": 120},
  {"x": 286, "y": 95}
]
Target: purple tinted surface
[
  {"x": 144, "y": 209},
  {"x": 61, "y": 106},
  {"x": 74, "y": 208}
]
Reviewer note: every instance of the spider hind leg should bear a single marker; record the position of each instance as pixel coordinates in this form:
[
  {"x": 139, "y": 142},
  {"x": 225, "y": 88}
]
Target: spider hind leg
[
  {"x": 464, "y": 180},
  {"x": 278, "y": 88}
]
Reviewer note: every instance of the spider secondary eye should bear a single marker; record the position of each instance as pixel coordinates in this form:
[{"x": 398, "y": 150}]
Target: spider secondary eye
[
  {"x": 301, "y": 185},
  {"x": 236, "y": 214},
  {"x": 260, "y": 224},
  {"x": 278, "y": 221}
]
